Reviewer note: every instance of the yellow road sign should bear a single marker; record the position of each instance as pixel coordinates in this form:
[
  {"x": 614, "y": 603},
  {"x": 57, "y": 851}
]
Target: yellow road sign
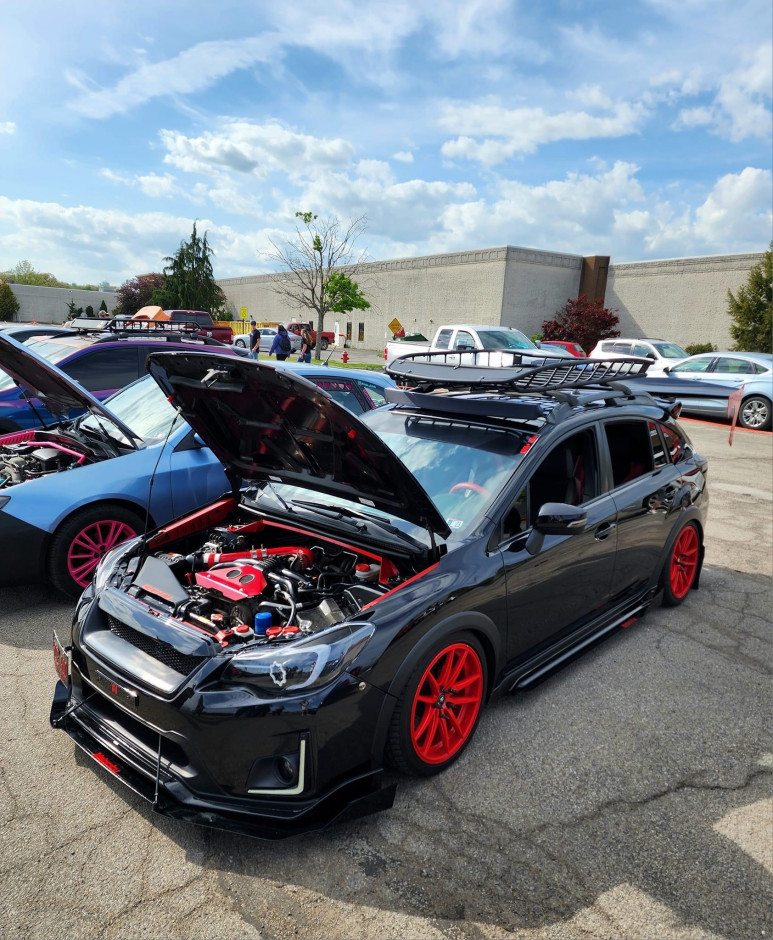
[
  {"x": 395, "y": 326},
  {"x": 242, "y": 313}
]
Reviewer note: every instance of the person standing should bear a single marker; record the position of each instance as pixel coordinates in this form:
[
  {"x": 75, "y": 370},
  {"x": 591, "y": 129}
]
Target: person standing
[
  {"x": 306, "y": 345},
  {"x": 282, "y": 345},
  {"x": 254, "y": 340}
]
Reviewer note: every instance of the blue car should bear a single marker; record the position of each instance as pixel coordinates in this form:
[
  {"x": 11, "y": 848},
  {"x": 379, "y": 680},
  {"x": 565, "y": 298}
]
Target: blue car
[{"x": 59, "y": 522}]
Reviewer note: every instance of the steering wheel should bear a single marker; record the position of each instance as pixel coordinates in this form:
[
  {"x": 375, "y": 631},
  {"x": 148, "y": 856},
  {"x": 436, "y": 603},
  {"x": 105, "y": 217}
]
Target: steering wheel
[{"x": 468, "y": 485}]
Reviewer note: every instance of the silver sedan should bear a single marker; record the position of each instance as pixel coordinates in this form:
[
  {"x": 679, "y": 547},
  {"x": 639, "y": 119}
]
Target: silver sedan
[{"x": 267, "y": 334}]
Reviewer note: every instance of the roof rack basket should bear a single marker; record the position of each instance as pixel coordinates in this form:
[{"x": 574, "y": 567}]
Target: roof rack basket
[
  {"x": 125, "y": 325},
  {"x": 509, "y": 371}
]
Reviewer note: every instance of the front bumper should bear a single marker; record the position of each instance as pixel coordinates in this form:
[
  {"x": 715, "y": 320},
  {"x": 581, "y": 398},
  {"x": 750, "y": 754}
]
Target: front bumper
[
  {"x": 359, "y": 796},
  {"x": 23, "y": 558}
]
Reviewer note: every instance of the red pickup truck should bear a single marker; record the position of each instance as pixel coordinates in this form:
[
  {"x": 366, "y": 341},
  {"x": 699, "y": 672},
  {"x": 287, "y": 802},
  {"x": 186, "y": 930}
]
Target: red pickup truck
[
  {"x": 205, "y": 323},
  {"x": 328, "y": 336}
]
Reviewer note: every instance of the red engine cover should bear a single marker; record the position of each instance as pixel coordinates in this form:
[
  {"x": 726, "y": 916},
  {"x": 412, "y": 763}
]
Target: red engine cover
[{"x": 236, "y": 582}]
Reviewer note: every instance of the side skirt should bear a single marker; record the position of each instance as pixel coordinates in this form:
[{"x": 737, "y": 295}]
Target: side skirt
[{"x": 533, "y": 670}]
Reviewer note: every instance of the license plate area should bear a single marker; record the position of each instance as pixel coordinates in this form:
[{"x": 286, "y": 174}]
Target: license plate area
[{"x": 62, "y": 659}]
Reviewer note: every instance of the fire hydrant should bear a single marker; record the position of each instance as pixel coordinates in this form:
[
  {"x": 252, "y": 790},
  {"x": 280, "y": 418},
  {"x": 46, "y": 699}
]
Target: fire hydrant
[{"x": 344, "y": 357}]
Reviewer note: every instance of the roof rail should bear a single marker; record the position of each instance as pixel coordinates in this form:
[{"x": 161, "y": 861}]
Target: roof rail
[
  {"x": 126, "y": 325},
  {"x": 506, "y": 371}
]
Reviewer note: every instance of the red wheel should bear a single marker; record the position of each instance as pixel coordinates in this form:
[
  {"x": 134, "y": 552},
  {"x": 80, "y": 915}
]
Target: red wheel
[
  {"x": 439, "y": 708},
  {"x": 467, "y": 485},
  {"x": 682, "y": 566},
  {"x": 83, "y": 539}
]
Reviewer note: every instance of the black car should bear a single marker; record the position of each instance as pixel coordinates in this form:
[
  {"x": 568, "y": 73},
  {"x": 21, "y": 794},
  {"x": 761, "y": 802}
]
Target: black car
[{"x": 256, "y": 665}]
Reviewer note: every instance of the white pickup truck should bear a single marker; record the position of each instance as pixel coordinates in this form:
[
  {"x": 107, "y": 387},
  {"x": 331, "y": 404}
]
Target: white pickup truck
[{"x": 468, "y": 338}]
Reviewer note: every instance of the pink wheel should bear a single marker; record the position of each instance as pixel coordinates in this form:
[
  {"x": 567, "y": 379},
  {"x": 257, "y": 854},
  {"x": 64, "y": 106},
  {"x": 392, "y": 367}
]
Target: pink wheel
[
  {"x": 682, "y": 566},
  {"x": 439, "y": 708},
  {"x": 82, "y": 540}
]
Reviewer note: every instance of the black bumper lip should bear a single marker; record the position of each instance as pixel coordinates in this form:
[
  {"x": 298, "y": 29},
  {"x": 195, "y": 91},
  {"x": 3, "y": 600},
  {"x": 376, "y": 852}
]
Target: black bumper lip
[{"x": 358, "y": 796}]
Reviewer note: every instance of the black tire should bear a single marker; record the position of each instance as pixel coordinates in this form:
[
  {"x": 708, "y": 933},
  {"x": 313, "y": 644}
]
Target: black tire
[
  {"x": 240, "y": 343},
  {"x": 755, "y": 413},
  {"x": 682, "y": 566},
  {"x": 423, "y": 753},
  {"x": 324, "y": 344},
  {"x": 82, "y": 539}
]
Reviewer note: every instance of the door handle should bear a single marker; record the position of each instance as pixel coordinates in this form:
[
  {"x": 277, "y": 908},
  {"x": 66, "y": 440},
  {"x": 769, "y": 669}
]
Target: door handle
[{"x": 604, "y": 531}]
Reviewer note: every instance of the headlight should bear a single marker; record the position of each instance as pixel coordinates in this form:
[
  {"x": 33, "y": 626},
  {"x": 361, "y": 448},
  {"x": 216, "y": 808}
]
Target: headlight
[
  {"x": 308, "y": 664},
  {"x": 109, "y": 560}
]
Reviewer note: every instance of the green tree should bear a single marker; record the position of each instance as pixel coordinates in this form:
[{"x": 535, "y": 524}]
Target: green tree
[
  {"x": 102, "y": 306},
  {"x": 582, "y": 321},
  {"x": 189, "y": 283},
  {"x": 9, "y": 305},
  {"x": 751, "y": 308},
  {"x": 308, "y": 263},
  {"x": 24, "y": 273}
]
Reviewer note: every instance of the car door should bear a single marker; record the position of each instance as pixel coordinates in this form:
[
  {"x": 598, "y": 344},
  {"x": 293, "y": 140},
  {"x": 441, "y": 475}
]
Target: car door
[
  {"x": 190, "y": 473},
  {"x": 566, "y": 582},
  {"x": 645, "y": 485}
]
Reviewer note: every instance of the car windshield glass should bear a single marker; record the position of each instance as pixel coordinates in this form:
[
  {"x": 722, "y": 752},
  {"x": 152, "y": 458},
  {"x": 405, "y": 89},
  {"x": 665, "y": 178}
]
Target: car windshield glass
[
  {"x": 504, "y": 339},
  {"x": 49, "y": 349},
  {"x": 670, "y": 350},
  {"x": 142, "y": 407}
]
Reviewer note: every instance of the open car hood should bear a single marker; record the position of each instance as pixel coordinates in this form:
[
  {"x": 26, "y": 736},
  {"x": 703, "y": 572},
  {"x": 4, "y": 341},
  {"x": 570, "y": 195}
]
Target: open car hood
[
  {"x": 271, "y": 424},
  {"x": 42, "y": 380}
]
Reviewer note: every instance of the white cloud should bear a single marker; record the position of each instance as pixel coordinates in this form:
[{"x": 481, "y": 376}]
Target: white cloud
[
  {"x": 508, "y": 132},
  {"x": 7, "y": 127},
  {"x": 403, "y": 156},
  {"x": 257, "y": 149}
]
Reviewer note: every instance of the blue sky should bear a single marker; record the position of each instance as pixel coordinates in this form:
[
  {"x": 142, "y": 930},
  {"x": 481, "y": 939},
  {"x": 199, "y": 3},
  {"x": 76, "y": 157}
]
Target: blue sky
[{"x": 641, "y": 130}]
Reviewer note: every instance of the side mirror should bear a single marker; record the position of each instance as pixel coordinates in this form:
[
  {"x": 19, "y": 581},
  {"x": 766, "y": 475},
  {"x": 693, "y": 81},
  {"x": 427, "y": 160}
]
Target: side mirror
[
  {"x": 667, "y": 369},
  {"x": 197, "y": 441},
  {"x": 555, "y": 519}
]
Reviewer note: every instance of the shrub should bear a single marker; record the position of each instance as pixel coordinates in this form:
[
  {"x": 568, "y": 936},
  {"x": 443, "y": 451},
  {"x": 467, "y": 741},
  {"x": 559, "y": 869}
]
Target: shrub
[
  {"x": 694, "y": 348},
  {"x": 751, "y": 309},
  {"x": 582, "y": 321},
  {"x": 9, "y": 304}
]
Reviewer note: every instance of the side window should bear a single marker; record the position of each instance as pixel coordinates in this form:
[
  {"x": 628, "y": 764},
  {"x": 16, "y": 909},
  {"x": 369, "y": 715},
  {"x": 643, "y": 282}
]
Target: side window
[
  {"x": 621, "y": 348},
  {"x": 641, "y": 349},
  {"x": 695, "y": 365},
  {"x": 463, "y": 338},
  {"x": 342, "y": 391},
  {"x": 443, "y": 339},
  {"x": 373, "y": 392},
  {"x": 735, "y": 366},
  {"x": 103, "y": 369},
  {"x": 629, "y": 450},
  {"x": 674, "y": 444},
  {"x": 659, "y": 455},
  {"x": 569, "y": 474}
]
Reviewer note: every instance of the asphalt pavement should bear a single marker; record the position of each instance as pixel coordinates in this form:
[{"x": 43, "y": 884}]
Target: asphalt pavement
[{"x": 630, "y": 795}]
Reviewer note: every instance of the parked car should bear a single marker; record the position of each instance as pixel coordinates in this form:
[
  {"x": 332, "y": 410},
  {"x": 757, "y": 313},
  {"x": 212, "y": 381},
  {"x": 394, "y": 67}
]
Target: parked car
[
  {"x": 460, "y": 339},
  {"x": 574, "y": 348},
  {"x": 253, "y": 666},
  {"x": 296, "y": 328},
  {"x": 753, "y": 371},
  {"x": 101, "y": 355},
  {"x": 69, "y": 493},
  {"x": 658, "y": 351},
  {"x": 203, "y": 320},
  {"x": 267, "y": 334}
]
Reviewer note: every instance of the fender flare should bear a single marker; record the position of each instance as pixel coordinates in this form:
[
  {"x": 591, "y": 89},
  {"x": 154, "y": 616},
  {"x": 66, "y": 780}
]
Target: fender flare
[
  {"x": 685, "y": 516},
  {"x": 469, "y": 621}
]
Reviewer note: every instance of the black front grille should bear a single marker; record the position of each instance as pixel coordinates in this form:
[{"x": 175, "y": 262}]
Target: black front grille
[{"x": 163, "y": 652}]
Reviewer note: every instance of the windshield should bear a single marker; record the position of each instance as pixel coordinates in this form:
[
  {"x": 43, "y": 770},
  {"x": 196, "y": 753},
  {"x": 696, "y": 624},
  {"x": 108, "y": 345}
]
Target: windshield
[
  {"x": 142, "y": 407},
  {"x": 462, "y": 466},
  {"x": 670, "y": 351},
  {"x": 50, "y": 349},
  {"x": 504, "y": 339}
]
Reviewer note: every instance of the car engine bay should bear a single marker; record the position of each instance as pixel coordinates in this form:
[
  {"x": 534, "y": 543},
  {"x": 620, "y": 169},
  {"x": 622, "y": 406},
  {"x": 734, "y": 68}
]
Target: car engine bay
[
  {"x": 253, "y": 580},
  {"x": 29, "y": 455}
]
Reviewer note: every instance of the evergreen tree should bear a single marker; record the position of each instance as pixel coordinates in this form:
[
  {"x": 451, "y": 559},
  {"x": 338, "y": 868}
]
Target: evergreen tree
[
  {"x": 9, "y": 305},
  {"x": 189, "y": 283},
  {"x": 751, "y": 308}
]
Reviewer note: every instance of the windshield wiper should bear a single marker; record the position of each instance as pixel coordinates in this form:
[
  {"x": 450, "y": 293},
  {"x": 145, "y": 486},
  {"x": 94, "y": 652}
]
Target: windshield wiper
[{"x": 358, "y": 519}]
